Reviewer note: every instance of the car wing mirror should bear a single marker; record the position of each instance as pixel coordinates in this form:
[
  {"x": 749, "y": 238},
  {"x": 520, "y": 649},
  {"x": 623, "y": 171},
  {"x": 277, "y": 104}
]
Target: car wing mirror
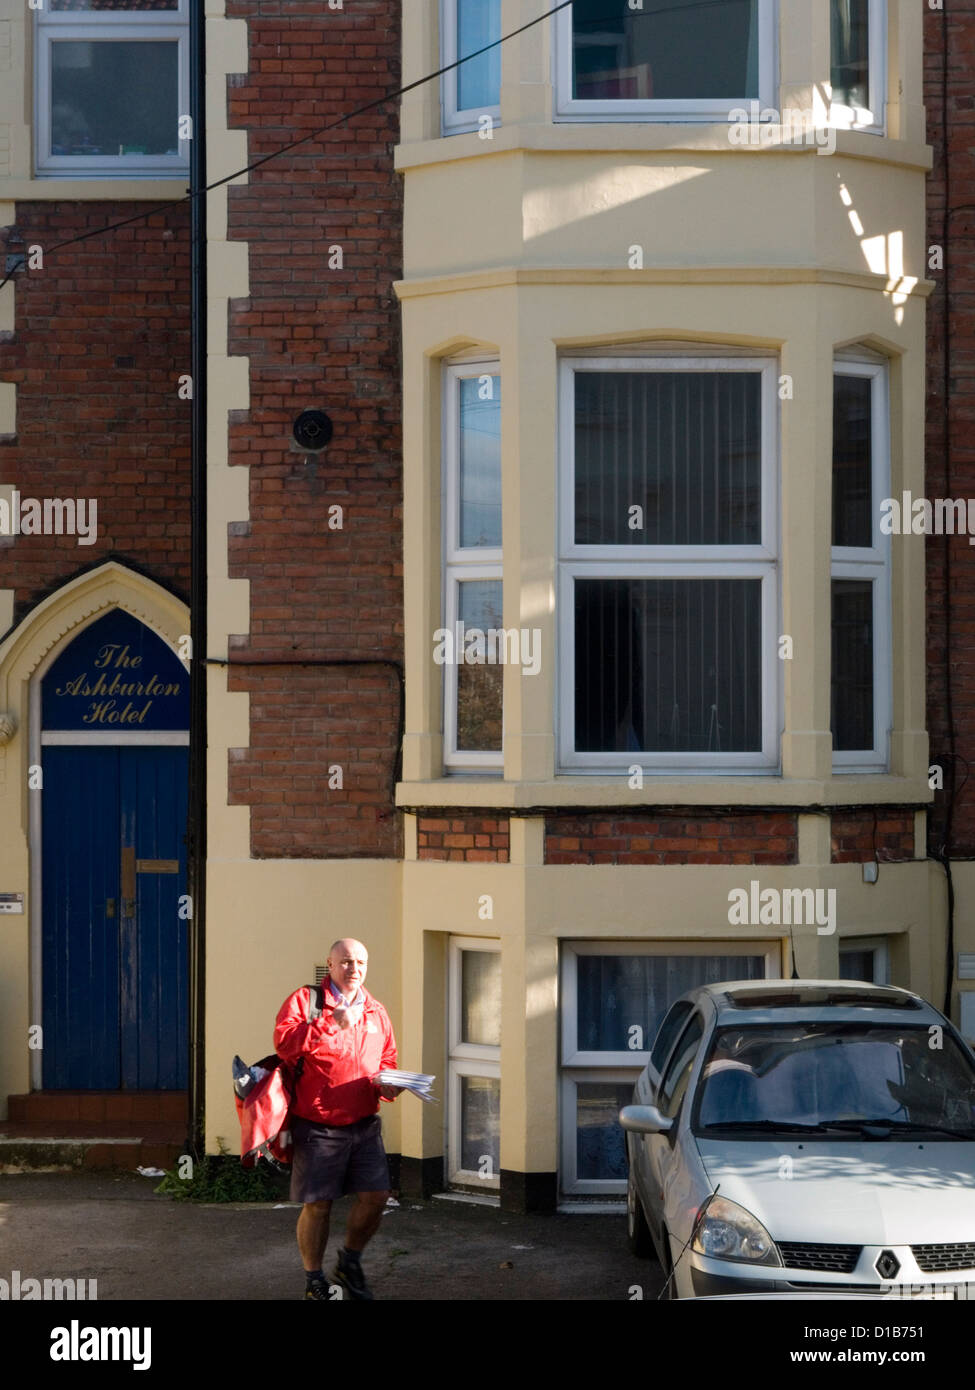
[{"x": 644, "y": 1119}]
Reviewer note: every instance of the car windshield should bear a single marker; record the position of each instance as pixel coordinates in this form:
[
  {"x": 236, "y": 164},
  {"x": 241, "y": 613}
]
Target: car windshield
[{"x": 806, "y": 1075}]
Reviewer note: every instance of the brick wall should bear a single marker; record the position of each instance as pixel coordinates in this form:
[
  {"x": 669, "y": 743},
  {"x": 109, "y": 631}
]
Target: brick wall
[
  {"x": 866, "y": 833},
  {"x": 101, "y": 337},
  {"x": 323, "y": 338},
  {"x": 461, "y": 837},
  {"x": 672, "y": 837},
  {"x": 953, "y": 476}
]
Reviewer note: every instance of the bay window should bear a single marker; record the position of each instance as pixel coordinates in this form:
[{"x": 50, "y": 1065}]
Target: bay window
[
  {"x": 861, "y": 620},
  {"x": 112, "y": 88},
  {"x": 667, "y": 60},
  {"x": 858, "y": 36},
  {"x": 668, "y": 593},
  {"x": 473, "y": 89},
  {"x": 472, "y": 573}
]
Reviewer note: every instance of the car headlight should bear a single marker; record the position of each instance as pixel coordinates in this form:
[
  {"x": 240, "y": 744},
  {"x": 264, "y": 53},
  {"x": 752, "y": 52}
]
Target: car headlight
[{"x": 729, "y": 1232}]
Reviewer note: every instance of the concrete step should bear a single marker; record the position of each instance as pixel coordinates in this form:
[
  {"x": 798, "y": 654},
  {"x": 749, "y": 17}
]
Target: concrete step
[{"x": 46, "y": 1146}]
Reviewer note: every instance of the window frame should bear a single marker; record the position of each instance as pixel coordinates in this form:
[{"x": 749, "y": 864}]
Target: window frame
[
  {"x": 683, "y": 111},
  {"x": 879, "y": 947},
  {"x": 873, "y": 120},
  {"x": 574, "y": 1056},
  {"x": 586, "y": 1066},
  {"x": 106, "y": 26},
  {"x": 759, "y": 561},
  {"x": 465, "y": 1059},
  {"x": 871, "y": 562},
  {"x": 462, "y": 563},
  {"x": 454, "y": 119}
]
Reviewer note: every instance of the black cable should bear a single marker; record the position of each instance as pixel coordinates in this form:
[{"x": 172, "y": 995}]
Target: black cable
[{"x": 302, "y": 140}]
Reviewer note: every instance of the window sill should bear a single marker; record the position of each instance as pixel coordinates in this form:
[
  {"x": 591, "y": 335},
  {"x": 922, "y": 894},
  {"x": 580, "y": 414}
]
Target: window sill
[
  {"x": 103, "y": 189},
  {"x": 562, "y": 792},
  {"x": 648, "y": 137}
]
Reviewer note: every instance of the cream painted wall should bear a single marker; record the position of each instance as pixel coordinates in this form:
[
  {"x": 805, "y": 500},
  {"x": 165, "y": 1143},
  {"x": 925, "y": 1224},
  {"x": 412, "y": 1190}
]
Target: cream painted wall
[
  {"x": 522, "y": 246},
  {"x": 269, "y": 923}
]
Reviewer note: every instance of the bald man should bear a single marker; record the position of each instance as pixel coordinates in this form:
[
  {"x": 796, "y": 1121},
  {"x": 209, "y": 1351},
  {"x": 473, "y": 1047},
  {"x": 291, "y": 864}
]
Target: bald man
[{"x": 335, "y": 1127}]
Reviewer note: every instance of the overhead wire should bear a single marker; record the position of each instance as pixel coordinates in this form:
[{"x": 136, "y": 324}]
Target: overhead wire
[{"x": 394, "y": 95}]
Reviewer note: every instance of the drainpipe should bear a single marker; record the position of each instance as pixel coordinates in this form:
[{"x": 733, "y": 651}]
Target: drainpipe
[{"x": 197, "y": 820}]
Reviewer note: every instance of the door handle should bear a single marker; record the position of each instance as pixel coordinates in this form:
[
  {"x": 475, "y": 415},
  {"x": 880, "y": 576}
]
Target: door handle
[{"x": 109, "y": 907}]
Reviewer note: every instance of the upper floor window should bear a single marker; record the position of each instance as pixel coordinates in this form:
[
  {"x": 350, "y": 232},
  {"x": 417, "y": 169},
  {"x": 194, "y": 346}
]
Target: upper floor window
[
  {"x": 860, "y": 683},
  {"x": 112, "y": 88},
  {"x": 668, "y": 594},
  {"x": 473, "y": 89},
  {"x": 472, "y": 601},
  {"x": 667, "y": 60},
  {"x": 858, "y": 30}
]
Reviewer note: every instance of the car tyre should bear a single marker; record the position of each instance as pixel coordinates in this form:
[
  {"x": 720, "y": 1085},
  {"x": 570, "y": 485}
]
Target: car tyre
[{"x": 637, "y": 1230}]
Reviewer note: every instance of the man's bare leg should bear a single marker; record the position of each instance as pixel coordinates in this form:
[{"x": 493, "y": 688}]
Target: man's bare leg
[
  {"x": 313, "y": 1233},
  {"x": 364, "y": 1219}
]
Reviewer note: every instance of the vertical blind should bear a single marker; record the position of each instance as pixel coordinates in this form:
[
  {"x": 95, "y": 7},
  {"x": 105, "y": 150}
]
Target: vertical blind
[
  {"x": 685, "y": 447},
  {"x": 668, "y": 665}
]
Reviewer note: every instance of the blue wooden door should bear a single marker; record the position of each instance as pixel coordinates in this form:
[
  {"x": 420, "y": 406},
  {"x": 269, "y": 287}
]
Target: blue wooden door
[{"x": 115, "y": 953}]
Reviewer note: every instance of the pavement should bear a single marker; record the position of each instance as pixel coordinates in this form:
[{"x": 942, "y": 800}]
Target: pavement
[{"x": 113, "y": 1228}]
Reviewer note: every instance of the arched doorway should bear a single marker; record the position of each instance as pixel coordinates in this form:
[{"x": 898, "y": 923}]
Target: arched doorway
[{"x": 114, "y": 715}]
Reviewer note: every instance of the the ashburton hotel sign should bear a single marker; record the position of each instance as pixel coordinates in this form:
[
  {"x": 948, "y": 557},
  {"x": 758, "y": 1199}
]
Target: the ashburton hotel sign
[{"x": 117, "y": 675}]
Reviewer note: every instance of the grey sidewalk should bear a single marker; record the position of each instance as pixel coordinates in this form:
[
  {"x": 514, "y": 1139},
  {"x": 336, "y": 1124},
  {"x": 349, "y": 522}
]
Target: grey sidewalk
[{"x": 113, "y": 1228}]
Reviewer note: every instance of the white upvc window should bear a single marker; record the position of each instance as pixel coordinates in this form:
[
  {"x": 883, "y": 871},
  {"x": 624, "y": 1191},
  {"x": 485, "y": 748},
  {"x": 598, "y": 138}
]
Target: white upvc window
[
  {"x": 865, "y": 958},
  {"x": 614, "y": 997},
  {"x": 668, "y": 590},
  {"x": 473, "y": 1140},
  {"x": 472, "y": 599},
  {"x": 471, "y": 91},
  {"x": 860, "y": 693},
  {"x": 112, "y": 89},
  {"x": 663, "y": 61},
  {"x": 858, "y": 64}
]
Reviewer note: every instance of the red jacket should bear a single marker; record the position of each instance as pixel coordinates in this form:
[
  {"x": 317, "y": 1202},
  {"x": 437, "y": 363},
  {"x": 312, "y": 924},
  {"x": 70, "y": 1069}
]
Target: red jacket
[{"x": 334, "y": 1087}]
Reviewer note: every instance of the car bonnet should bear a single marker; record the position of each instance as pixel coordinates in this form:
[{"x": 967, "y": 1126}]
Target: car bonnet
[{"x": 865, "y": 1193}]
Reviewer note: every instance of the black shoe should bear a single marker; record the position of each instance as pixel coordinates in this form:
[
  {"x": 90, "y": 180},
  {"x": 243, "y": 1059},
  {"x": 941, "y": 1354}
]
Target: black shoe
[
  {"x": 318, "y": 1289},
  {"x": 349, "y": 1274}
]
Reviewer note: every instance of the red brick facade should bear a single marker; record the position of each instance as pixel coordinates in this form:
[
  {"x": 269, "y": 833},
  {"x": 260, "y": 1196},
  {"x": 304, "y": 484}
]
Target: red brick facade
[
  {"x": 327, "y": 338},
  {"x": 101, "y": 337},
  {"x": 462, "y": 837},
  {"x": 671, "y": 836},
  {"x": 951, "y": 560},
  {"x": 872, "y": 833}
]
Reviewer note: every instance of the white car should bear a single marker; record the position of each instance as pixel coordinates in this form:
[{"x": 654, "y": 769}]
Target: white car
[{"x": 793, "y": 1136}]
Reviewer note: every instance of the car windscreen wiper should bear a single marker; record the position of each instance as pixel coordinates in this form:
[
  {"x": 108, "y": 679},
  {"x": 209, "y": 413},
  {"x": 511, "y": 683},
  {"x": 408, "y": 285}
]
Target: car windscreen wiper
[
  {"x": 887, "y": 1125},
  {"x": 780, "y": 1126}
]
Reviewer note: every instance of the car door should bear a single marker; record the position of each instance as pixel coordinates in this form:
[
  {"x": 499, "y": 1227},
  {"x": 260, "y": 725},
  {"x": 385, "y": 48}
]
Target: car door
[{"x": 661, "y": 1153}]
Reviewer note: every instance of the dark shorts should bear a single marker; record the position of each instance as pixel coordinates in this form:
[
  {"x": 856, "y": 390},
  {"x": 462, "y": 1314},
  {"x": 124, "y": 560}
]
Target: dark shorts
[{"x": 333, "y": 1160}]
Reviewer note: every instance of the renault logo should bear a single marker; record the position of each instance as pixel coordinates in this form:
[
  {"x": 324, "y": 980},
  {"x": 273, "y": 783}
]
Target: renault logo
[{"x": 887, "y": 1264}]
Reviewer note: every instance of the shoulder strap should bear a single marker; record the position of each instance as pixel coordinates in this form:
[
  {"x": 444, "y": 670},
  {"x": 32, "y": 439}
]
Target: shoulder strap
[{"x": 315, "y": 1002}]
